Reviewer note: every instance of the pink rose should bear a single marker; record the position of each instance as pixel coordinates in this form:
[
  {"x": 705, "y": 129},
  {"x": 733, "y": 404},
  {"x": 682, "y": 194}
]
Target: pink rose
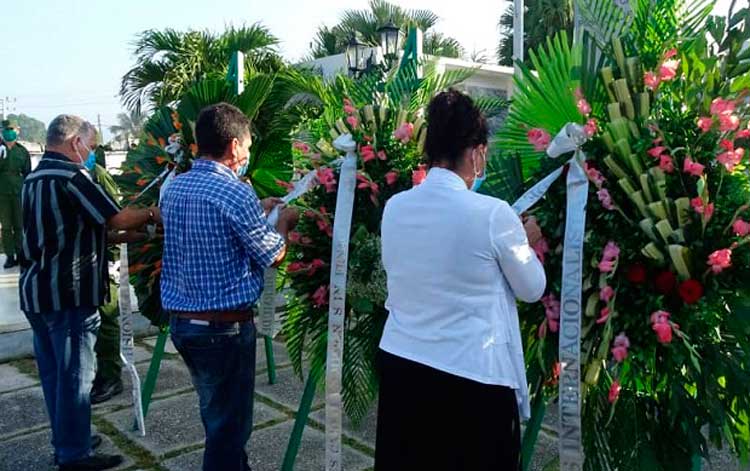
[
  {"x": 381, "y": 155},
  {"x": 651, "y": 80},
  {"x": 552, "y": 311},
  {"x": 302, "y": 147},
  {"x": 656, "y": 152},
  {"x": 367, "y": 152},
  {"x": 693, "y": 168},
  {"x": 744, "y": 134},
  {"x": 347, "y": 102},
  {"x": 404, "y": 132},
  {"x": 353, "y": 121},
  {"x": 554, "y": 326},
  {"x": 614, "y": 391},
  {"x": 539, "y": 138},
  {"x": 349, "y": 109},
  {"x": 670, "y": 54},
  {"x": 720, "y": 106},
  {"x": 315, "y": 265},
  {"x": 728, "y": 122},
  {"x": 391, "y": 178},
  {"x": 668, "y": 69},
  {"x": 327, "y": 179},
  {"x": 294, "y": 237},
  {"x": 606, "y": 293},
  {"x": 320, "y": 297},
  {"x": 705, "y": 123},
  {"x": 295, "y": 267},
  {"x": 611, "y": 251},
  {"x": 663, "y": 332},
  {"x": 591, "y": 127},
  {"x": 419, "y": 175},
  {"x": 731, "y": 158},
  {"x": 606, "y": 266},
  {"x": 666, "y": 164},
  {"x": 603, "y": 315},
  {"x": 700, "y": 207},
  {"x": 605, "y": 199},
  {"x": 578, "y": 93},
  {"x": 583, "y": 107},
  {"x": 741, "y": 228},
  {"x": 619, "y": 354},
  {"x": 720, "y": 260},
  {"x": 594, "y": 175},
  {"x": 660, "y": 317}
]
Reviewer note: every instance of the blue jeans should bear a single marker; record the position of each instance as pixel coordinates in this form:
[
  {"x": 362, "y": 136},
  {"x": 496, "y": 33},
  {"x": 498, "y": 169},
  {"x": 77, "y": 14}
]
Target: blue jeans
[
  {"x": 64, "y": 346},
  {"x": 221, "y": 360}
]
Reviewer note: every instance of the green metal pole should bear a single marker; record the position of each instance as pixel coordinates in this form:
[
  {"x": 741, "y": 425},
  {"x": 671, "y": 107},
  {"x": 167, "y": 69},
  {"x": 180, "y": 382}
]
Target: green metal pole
[
  {"x": 270, "y": 360},
  {"x": 300, "y": 420},
  {"x": 528, "y": 443},
  {"x": 153, "y": 370}
]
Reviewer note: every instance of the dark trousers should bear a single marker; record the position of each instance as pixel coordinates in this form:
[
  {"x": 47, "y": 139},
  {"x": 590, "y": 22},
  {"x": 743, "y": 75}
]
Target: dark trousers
[
  {"x": 432, "y": 420},
  {"x": 108, "y": 341},
  {"x": 11, "y": 227},
  {"x": 221, "y": 360},
  {"x": 64, "y": 348}
]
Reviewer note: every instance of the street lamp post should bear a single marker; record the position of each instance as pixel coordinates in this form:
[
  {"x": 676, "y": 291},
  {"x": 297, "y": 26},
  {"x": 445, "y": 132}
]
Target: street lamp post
[
  {"x": 356, "y": 56},
  {"x": 390, "y": 41}
]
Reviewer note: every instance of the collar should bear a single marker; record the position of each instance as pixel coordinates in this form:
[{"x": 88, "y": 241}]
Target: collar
[
  {"x": 52, "y": 155},
  {"x": 206, "y": 165},
  {"x": 444, "y": 177}
]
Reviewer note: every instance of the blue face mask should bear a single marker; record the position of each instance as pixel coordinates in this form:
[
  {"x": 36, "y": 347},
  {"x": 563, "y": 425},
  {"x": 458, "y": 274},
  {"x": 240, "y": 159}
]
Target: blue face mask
[
  {"x": 479, "y": 180},
  {"x": 90, "y": 162},
  {"x": 242, "y": 170}
]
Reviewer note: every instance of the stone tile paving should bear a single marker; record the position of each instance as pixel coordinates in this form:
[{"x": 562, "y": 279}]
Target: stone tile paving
[{"x": 175, "y": 435}]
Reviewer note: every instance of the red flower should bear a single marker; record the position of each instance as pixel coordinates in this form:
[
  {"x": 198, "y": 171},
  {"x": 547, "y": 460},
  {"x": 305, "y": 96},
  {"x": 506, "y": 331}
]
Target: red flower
[
  {"x": 665, "y": 282},
  {"x": 614, "y": 391},
  {"x": 690, "y": 291},
  {"x": 636, "y": 273}
]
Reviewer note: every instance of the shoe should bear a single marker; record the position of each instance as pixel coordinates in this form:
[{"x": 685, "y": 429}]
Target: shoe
[
  {"x": 105, "y": 390},
  {"x": 93, "y": 463},
  {"x": 96, "y": 441},
  {"x": 10, "y": 262}
]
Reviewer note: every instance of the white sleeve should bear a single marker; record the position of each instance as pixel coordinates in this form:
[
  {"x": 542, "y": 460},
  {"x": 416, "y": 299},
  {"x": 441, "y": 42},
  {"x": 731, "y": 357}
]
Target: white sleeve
[{"x": 517, "y": 259}]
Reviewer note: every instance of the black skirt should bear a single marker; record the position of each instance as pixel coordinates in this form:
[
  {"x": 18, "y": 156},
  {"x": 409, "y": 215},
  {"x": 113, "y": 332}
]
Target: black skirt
[{"x": 436, "y": 421}]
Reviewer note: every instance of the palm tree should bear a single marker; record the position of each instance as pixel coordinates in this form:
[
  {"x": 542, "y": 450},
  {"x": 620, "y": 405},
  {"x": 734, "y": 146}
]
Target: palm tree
[
  {"x": 542, "y": 19},
  {"x": 168, "y": 62},
  {"x": 129, "y": 127},
  {"x": 365, "y": 24}
]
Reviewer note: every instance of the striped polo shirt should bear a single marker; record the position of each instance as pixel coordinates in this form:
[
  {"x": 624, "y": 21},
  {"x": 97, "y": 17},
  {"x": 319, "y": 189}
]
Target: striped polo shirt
[{"x": 64, "y": 262}]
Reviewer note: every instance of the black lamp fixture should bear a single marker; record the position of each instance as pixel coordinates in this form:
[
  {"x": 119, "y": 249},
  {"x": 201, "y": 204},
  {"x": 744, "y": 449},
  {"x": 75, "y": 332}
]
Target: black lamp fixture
[
  {"x": 356, "y": 55},
  {"x": 390, "y": 39}
]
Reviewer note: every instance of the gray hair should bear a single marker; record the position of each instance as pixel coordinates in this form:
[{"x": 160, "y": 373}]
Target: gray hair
[{"x": 66, "y": 127}]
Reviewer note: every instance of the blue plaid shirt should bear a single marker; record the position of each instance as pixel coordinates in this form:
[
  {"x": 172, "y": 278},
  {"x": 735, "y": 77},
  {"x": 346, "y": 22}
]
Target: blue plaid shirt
[{"x": 217, "y": 241}]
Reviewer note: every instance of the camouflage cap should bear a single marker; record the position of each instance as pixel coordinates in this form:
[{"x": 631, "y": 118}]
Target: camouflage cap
[{"x": 10, "y": 124}]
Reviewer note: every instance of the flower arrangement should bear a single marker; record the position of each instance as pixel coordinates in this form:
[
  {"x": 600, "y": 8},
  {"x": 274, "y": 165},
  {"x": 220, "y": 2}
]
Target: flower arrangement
[{"x": 665, "y": 344}]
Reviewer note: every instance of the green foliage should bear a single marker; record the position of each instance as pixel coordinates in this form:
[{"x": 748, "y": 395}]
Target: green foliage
[
  {"x": 168, "y": 62},
  {"x": 129, "y": 127},
  {"x": 542, "y": 19},
  {"x": 365, "y": 23}
]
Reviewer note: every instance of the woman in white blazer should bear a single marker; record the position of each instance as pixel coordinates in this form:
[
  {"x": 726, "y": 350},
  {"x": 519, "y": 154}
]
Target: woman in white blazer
[{"x": 452, "y": 377}]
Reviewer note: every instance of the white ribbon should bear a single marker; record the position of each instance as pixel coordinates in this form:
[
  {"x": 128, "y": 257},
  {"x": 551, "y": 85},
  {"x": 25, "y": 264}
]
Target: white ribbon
[
  {"x": 337, "y": 301},
  {"x": 269, "y": 297},
  {"x": 569, "y": 139},
  {"x": 127, "y": 345}
]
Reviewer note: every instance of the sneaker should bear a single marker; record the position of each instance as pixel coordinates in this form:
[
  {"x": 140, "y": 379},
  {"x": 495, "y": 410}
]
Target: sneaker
[
  {"x": 105, "y": 390},
  {"x": 10, "y": 262},
  {"x": 93, "y": 463}
]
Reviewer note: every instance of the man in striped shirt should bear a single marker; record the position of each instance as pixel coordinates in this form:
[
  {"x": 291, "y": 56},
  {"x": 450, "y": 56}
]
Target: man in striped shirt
[{"x": 64, "y": 280}]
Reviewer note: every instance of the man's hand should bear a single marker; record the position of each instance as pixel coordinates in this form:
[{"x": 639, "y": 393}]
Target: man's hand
[
  {"x": 269, "y": 203},
  {"x": 288, "y": 219},
  {"x": 156, "y": 219},
  {"x": 114, "y": 237}
]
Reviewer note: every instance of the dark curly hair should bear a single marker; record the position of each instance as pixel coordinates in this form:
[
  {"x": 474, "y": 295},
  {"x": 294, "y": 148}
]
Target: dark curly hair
[{"x": 454, "y": 125}]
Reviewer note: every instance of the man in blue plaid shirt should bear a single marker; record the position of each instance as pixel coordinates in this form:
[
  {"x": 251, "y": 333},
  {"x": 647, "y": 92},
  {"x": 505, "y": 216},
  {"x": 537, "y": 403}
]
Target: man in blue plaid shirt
[{"x": 217, "y": 245}]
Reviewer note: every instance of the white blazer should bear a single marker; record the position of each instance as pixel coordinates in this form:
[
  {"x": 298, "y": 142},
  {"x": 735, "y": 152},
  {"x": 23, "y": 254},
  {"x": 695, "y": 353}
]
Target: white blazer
[{"x": 455, "y": 261}]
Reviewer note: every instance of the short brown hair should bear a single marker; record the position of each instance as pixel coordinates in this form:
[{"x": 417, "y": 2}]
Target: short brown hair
[{"x": 217, "y": 125}]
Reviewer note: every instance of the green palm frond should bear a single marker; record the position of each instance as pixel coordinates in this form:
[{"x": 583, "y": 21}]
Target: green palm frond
[
  {"x": 604, "y": 20},
  {"x": 543, "y": 99},
  {"x": 504, "y": 177},
  {"x": 438, "y": 44},
  {"x": 491, "y": 106}
]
